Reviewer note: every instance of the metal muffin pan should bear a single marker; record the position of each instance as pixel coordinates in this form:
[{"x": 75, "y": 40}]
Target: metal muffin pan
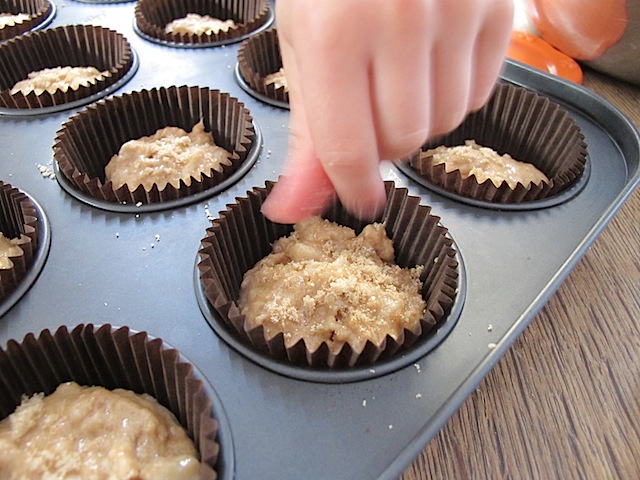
[{"x": 137, "y": 269}]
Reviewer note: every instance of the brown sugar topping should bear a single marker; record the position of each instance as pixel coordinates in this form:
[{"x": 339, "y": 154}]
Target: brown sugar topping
[{"x": 325, "y": 284}]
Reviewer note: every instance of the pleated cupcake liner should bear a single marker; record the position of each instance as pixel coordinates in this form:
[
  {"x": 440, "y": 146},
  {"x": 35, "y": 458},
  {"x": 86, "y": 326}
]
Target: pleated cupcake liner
[
  {"x": 241, "y": 236},
  {"x": 38, "y": 11},
  {"x": 87, "y": 141},
  {"x": 73, "y": 46},
  {"x": 112, "y": 358},
  {"x": 18, "y": 219},
  {"x": 529, "y": 127},
  {"x": 152, "y": 16},
  {"x": 259, "y": 56}
]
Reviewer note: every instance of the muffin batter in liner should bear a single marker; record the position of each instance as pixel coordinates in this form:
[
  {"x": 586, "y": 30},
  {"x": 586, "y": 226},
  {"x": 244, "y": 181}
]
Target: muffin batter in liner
[
  {"x": 88, "y": 140},
  {"x": 38, "y": 10},
  {"x": 152, "y": 16},
  {"x": 74, "y": 46},
  {"x": 241, "y": 236},
  {"x": 259, "y": 56},
  {"x": 527, "y": 126},
  {"x": 112, "y": 358},
  {"x": 18, "y": 219}
]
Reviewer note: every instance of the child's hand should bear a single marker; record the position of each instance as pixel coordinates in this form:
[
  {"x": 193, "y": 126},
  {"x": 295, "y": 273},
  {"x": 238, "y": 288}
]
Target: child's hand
[{"x": 372, "y": 80}]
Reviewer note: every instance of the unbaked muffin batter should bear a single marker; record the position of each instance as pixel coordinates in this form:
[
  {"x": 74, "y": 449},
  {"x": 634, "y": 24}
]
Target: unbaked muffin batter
[
  {"x": 195, "y": 24},
  {"x": 92, "y": 433},
  {"x": 9, "y": 19},
  {"x": 277, "y": 79},
  {"x": 485, "y": 163},
  {"x": 325, "y": 284},
  {"x": 8, "y": 248},
  {"x": 166, "y": 157},
  {"x": 59, "y": 78}
]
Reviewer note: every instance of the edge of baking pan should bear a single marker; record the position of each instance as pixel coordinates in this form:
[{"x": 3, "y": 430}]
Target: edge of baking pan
[{"x": 627, "y": 137}]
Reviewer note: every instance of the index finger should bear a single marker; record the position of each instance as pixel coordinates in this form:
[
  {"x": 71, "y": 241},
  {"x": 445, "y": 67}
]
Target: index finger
[{"x": 334, "y": 84}]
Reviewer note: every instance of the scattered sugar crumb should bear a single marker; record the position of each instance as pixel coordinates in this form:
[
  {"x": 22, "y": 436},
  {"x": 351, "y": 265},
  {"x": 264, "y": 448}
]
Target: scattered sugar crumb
[
  {"x": 153, "y": 245},
  {"x": 417, "y": 367},
  {"x": 207, "y": 212},
  {"x": 46, "y": 170},
  {"x": 436, "y": 260},
  {"x": 117, "y": 235},
  {"x": 492, "y": 346},
  {"x": 364, "y": 403},
  {"x": 371, "y": 370},
  {"x": 390, "y": 427},
  {"x": 105, "y": 304},
  {"x": 418, "y": 395},
  {"x": 157, "y": 237},
  {"x": 139, "y": 204},
  {"x": 490, "y": 327}
]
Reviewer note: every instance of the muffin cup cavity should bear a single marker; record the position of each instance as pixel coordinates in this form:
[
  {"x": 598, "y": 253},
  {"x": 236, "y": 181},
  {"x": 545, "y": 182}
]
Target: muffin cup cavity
[
  {"x": 527, "y": 126},
  {"x": 39, "y": 12},
  {"x": 18, "y": 219},
  {"x": 87, "y": 141},
  {"x": 113, "y": 358},
  {"x": 74, "y": 46},
  {"x": 241, "y": 236},
  {"x": 259, "y": 56},
  {"x": 250, "y": 16}
]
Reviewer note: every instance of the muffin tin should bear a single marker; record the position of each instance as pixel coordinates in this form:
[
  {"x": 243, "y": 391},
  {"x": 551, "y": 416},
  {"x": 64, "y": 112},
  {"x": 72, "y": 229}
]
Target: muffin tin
[
  {"x": 139, "y": 269},
  {"x": 41, "y": 14}
]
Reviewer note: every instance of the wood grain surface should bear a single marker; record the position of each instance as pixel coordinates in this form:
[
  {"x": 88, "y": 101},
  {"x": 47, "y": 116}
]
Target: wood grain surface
[{"x": 564, "y": 402}]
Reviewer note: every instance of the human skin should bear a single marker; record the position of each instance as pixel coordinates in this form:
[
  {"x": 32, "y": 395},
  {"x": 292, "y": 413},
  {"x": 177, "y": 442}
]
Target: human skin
[{"x": 372, "y": 80}]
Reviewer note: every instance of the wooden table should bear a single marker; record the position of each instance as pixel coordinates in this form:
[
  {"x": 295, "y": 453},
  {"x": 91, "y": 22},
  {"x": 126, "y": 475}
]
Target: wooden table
[{"x": 564, "y": 402}]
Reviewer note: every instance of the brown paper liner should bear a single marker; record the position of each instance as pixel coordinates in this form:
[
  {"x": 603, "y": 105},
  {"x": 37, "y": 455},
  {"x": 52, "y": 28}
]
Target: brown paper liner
[
  {"x": 38, "y": 10},
  {"x": 18, "y": 219},
  {"x": 527, "y": 126},
  {"x": 74, "y": 46},
  {"x": 152, "y": 16},
  {"x": 259, "y": 56},
  {"x": 241, "y": 236},
  {"x": 112, "y": 358},
  {"x": 87, "y": 141}
]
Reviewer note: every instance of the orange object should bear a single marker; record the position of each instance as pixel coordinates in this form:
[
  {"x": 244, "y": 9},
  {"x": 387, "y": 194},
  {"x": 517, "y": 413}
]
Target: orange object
[
  {"x": 536, "y": 52},
  {"x": 583, "y": 29}
]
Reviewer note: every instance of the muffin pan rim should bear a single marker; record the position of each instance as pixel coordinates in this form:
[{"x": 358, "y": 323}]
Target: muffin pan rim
[
  {"x": 563, "y": 196},
  {"x": 44, "y": 23},
  {"x": 276, "y": 419},
  {"x": 401, "y": 359},
  {"x": 40, "y": 259},
  {"x": 247, "y": 165},
  {"x": 247, "y": 88},
  {"x": 31, "y": 112},
  {"x": 188, "y": 46},
  {"x": 224, "y": 435}
]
